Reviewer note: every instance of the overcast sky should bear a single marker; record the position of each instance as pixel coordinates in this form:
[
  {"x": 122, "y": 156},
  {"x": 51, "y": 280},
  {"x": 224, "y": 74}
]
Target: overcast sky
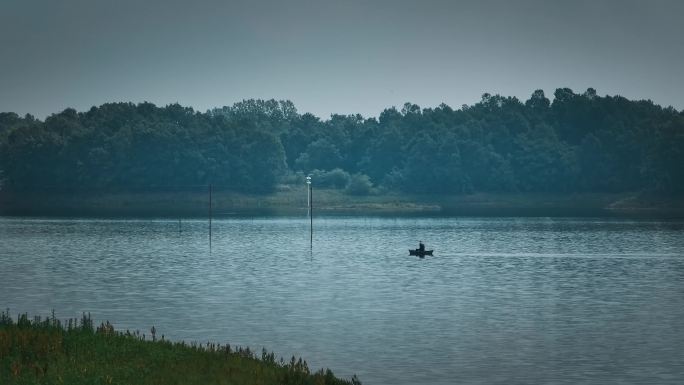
[{"x": 333, "y": 56}]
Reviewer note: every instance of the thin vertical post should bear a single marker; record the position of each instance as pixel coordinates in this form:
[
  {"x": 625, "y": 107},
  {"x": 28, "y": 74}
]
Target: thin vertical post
[
  {"x": 210, "y": 215},
  {"x": 310, "y": 216},
  {"x": 309, "y": 195}
]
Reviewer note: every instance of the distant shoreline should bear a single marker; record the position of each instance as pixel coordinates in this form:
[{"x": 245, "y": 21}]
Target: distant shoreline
[{"x": 293, "y": 202}]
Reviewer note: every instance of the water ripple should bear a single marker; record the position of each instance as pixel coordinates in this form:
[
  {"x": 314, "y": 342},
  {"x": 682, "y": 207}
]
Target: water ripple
[{"x": 515, "y": 300}]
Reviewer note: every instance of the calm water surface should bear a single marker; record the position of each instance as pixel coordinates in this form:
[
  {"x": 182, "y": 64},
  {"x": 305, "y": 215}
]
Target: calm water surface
[{"x": 503, "y": 301}]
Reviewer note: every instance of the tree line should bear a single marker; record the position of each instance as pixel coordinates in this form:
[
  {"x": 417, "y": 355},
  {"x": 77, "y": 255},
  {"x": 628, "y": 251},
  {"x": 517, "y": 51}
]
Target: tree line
[{"x": 577, "y": 143}]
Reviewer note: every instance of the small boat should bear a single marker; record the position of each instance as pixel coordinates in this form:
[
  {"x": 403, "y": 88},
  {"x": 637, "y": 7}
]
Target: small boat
[{"x": 420, "y": 253}]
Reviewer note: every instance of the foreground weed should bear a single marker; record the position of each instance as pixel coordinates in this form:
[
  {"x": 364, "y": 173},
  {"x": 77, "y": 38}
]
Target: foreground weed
[{"x": 74, "y": 352}]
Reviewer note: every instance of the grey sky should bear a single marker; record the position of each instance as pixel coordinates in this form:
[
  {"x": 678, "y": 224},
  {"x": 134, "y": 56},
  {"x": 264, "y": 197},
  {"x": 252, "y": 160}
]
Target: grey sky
[{"x": 333, "y": 56}]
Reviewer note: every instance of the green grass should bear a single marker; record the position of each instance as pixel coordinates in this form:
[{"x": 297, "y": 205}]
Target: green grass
[{"x": 76, "y": 352}]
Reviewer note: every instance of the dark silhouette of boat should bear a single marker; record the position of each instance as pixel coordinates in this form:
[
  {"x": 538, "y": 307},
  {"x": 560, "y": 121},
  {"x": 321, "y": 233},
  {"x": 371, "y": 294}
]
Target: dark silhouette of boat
[{"x": 420, "y": 253}]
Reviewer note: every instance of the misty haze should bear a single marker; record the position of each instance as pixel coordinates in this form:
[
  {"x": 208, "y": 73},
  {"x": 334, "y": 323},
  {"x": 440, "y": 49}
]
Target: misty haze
[{"x": 376, "y": 192}]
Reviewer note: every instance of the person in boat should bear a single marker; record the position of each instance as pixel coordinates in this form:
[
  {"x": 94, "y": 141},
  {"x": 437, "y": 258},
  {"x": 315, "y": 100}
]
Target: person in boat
[{"x": 421, "y": 246}]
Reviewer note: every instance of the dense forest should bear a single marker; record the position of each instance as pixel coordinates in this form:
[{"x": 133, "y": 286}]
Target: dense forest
[{"x": 577, "y": 143}]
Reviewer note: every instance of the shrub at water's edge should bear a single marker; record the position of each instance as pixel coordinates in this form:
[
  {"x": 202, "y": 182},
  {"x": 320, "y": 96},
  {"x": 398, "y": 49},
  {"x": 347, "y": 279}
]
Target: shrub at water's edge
[
  {"x": 292, "y": 200},
  {"x": 76, "y": 352}
]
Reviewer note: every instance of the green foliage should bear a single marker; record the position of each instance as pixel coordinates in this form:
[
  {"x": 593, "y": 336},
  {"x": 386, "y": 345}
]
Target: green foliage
[
  {"x": 75, "y": 352},
  {"x": 123, "y": 146},
  {"x": 319, "y": 153},
  {"x": 336, "y": 178},
  {"x": 360, "y": 184},
  {"x": 576, "y": 144}
]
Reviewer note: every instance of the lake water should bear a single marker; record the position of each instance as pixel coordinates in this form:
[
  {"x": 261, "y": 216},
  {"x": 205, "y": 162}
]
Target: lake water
[{"x": 503, "y": 301}]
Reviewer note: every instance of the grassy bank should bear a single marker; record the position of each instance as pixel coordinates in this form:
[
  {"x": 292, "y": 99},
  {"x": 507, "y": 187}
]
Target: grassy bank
[
  {"x": 76, "y": 352},
  {"x": 292, "y": 200}
]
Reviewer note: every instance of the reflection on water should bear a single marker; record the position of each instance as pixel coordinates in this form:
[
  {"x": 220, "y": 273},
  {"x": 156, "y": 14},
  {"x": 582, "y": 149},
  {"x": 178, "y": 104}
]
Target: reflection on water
[{"x": 509, "y": 300}]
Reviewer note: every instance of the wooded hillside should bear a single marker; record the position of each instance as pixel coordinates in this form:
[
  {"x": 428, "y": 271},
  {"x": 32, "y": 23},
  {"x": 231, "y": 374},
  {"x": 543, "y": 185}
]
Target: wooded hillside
[{"x": 577, "y": 143}]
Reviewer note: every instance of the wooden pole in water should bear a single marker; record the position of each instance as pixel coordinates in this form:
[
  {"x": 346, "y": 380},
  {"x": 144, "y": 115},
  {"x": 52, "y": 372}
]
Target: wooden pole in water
[
  {"x": 210, "y": 214},
  {"x": 309, "y": 195},
  {"x": 311, "y": 216}
]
